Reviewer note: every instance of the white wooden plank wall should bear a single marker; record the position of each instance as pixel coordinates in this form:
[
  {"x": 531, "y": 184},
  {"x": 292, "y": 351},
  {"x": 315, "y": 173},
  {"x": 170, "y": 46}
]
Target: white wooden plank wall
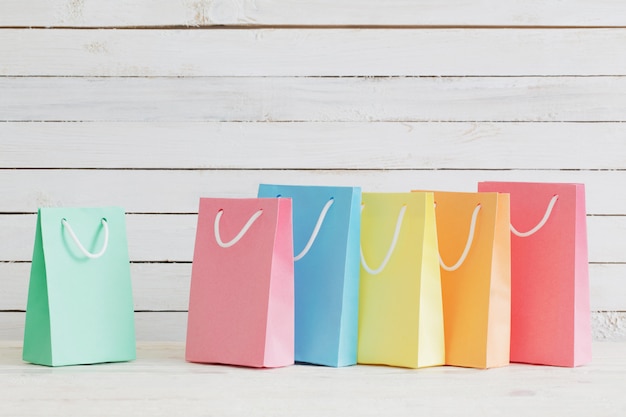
[{"x": 151, "y": 104}]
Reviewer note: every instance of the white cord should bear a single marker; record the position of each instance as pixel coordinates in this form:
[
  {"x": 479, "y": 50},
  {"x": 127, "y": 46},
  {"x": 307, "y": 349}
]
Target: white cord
[
  {"x": 543, "y": 221},
  {"x": 468, "y": 244},
  {"x": 394, "y": 241},
  {"x": 316, "y": 230},
  {"x": 81, "y": 247},
  {"x": 216, "y": 229}
]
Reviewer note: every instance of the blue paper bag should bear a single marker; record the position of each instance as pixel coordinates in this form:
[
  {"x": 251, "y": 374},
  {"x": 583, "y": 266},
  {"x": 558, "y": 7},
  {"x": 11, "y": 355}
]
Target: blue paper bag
[{"x": 326, "y": 223}]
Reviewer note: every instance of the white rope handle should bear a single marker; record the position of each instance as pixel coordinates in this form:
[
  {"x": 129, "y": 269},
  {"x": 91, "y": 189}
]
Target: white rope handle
[
  {"x": 316, "y": 230},
  {"x": 468, "y": 244},
  {"x": 543, "y": 221},
  {"x": 216, "y": 229},
  {"x": 81, "y": 247},
  {"x": 394, "y": 241}
]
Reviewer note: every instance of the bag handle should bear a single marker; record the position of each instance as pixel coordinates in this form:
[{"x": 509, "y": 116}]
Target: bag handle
[
  {"x": 237, "y": 238},
  {"x": 394, "y": 241},
  {"x": 468, "y": 244},
  {"x": 84, "y": 251},
  {"x": 543, "y": 221},
  {"x": 316, "y": 230}
]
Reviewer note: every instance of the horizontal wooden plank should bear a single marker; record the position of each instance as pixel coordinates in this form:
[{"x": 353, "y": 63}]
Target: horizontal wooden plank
[
  {"x": 156, "y": 286},
  {"x": 149, "y": 326},
  {"x": 315, "y": 145},
  {"x": 606, "y": 239},
  {"x": 172, "y": 326},
  {"x": 607, "y": 286},
  {"x": 165, "y": 286},
  {"x": 158, "y": 238},
  {"x": 312, "y": 99},
  {"x": 150, "y": 237},
  {"x": 121, "y": 13},
  {"x": 609, "y": 325},
  {"x": 311, "y": 52},
  {"x": 178, "y": 191}
]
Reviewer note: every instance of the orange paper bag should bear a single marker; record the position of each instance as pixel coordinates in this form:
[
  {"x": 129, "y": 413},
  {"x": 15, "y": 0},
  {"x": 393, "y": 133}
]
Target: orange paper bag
[
  {"x": 241, "y": 306},
  {"x": 551, "y": 318},
  {"x": 475, "y": 259}
]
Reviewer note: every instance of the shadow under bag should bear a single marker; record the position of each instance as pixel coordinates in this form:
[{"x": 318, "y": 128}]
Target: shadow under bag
[{"x": 80, "y": 304}]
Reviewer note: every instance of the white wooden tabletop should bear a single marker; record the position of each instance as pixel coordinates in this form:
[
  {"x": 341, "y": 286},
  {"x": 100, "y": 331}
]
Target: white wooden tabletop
[{"x": 161, "y": 383}]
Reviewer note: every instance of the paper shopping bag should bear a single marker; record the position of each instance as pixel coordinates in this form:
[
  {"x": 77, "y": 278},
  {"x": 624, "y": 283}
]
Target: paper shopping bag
[
  {"x": 551, "y": 318},
  {"x": 80, "y": 303},
  {"x": 326, "y": 232},
  {"x": 241, "y": 303},
  {"x": 475, "y": 257},
  {"x": 400, "y": 304}
]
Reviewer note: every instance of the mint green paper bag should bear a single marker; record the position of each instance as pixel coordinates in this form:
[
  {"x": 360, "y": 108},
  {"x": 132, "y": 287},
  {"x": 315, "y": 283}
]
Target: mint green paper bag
[{"x": 80, "y": 304}]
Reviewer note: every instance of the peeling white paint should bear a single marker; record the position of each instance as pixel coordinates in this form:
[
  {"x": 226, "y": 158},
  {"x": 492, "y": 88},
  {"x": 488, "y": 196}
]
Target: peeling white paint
[
  {"x": 609, "y": 325},
  {"x": 74, "y": 12},
  {"x": 199, "y": 11},
  {"x": 225, "y": 11},
  {"x": 96, "y": 47},
  {"x": 215, "y": 12}
]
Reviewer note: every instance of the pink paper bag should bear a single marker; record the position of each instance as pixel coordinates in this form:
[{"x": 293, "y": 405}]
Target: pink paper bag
[
  {"x": 550, "y": 309},
  {"x": 241, "y": 304}
]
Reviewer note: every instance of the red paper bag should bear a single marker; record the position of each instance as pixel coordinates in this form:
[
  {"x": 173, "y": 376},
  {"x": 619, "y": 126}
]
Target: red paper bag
[
  {"x": 550, "y": 310},
  {"x": 241, "y": 304}
]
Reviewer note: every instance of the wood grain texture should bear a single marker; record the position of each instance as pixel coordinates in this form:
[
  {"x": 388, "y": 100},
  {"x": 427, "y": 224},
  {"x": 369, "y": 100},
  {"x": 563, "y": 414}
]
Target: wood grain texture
[
  {"x": 161, "y": 383},
  {"x": 610, "y": 325},
  {"x": 165, "y": 286},
  {"x": 607, "y": 281},
  {"x": 278, "y": 99},
  {"x": 178, "y": 191},
  {"x": 311, "y": 52},
  {"x": 312, "y": 145},
  {"x": 172, "y": 326},
  {"x": 120, "y": 13},
  {"x": 151, "y": 104},
  {"x": 150, "y": 237},
  {"x": 156, "y": 286},
  {"x": 171, "y": 238},
  {"x": 149, "y": 326}
]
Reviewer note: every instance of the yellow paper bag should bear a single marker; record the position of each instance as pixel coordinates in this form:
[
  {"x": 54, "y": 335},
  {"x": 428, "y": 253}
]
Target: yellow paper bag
[
  {"x": 400, "y": 303},
  {"x": 475, "y": 257}
]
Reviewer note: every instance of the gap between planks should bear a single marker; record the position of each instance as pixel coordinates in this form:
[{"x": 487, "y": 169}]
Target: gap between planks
[{"x": 225, "y": 26}]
